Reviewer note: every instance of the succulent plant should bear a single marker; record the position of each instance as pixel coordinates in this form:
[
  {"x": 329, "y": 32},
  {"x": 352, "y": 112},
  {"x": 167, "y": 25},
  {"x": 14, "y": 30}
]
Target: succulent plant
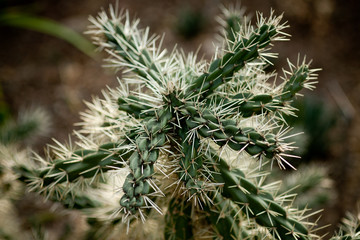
[
  {"x": 31, "y": 123},
  {"x": 349, "y": 228},
  {"x": 173, "y": 148}
]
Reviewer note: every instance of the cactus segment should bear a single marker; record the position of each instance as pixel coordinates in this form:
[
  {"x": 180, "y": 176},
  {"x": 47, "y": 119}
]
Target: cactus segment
[
  {"x": 135, "y": 107},
  {"x": 257, "y": 204},
  {"x": 349, "y": 228},
  {"x": 190, "y": 162},
  {"x": 178, "y": 222},
  {"x": 247, "y": 104},
  {"x": 127, "y": 48},
  {"x": 84, "y": 163},
  {"x": 225, "y": 132},
  {"x": 245, "y": 50},
  {"x": 300, "y": 77},
  {"x": 221, "y": 216},
  {"x": 136, "y": 186}
]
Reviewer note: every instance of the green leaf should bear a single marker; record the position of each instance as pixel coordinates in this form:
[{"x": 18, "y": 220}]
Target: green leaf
[{"x": 49, "y": 27}]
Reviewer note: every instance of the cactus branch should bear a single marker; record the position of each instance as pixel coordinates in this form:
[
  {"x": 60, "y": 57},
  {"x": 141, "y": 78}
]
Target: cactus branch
[
  {"x": 178, "y": 224},
  {"x": 138, "y": 183},
  {"x": 245, "y": 49},
  {"x": 130, "y": 46},
  {"x": 226, "y": 132},
  {"x": 258, "y": 204}
]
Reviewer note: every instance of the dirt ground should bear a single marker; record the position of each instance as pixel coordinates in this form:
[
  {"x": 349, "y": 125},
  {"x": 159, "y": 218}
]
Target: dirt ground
[{"x": 37, "y": 69}]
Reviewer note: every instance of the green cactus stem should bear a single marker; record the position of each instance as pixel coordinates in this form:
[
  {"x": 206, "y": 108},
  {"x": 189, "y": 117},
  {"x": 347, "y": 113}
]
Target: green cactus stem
[
  {"x": 141, "y": 162},
  {"x": 222, "y": 217},
  {"x": 178, "y": 224},
  {"x": 248, "y": 104},
  {"x": 244, "y": 50},
  {"x": 257, "y": 203},
  {"x": 225, "y": 132}
]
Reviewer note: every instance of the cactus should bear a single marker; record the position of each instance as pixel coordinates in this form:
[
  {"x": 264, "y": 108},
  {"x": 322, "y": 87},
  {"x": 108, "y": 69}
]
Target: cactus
[
  {"x": 31, "y": 123},
  {"x": 310, "y": 183},
  {"x": 350, "y": 228},
  {"x": 173, "y": 143}
]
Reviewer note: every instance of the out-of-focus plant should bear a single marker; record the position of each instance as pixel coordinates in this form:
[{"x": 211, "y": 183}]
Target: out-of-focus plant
[
  {"x": 349, "y": 228},
  {"x": 16, "y": 17},
  {"x": 310, "y": 183},
  {"x": 316, "y": 120},
  {"x": 169, "y": 153},
  {"x": 189, "y": 22},
  {"x": 30, "y": 123}
]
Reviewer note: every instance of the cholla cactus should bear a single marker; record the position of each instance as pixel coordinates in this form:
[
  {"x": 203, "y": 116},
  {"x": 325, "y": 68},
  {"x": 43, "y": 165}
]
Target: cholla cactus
[
  {"x": 177, "y": 136},
  {"x": 310, "y": 183},
  {"x": 30, "y": 123},
  {"x": 349, "y": 229}
]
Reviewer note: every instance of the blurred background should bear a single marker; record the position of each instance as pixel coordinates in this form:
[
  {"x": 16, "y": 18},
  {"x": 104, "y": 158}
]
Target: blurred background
[{"x": 43, "y": 62}]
